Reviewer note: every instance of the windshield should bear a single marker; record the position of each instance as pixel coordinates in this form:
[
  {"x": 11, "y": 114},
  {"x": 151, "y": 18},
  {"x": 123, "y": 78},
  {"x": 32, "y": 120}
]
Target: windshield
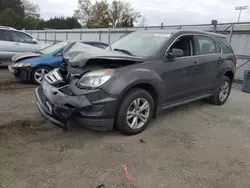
[
  {"x": 53, "y": 48},
  {"x": 140, "y": 44}
]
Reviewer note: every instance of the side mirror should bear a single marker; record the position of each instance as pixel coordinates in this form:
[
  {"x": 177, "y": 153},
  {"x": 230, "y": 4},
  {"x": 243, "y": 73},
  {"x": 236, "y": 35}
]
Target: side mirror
[
  {"x": 176, "y": 53},
  {"x": 34, "y": 41}
]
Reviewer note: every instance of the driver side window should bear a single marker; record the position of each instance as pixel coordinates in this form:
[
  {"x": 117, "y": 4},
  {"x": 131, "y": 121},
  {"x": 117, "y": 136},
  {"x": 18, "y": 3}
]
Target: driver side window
[{"x": 186, "y": 44}]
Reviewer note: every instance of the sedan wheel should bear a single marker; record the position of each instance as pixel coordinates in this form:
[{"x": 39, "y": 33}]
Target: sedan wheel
[{"x": 39, "y": 73}]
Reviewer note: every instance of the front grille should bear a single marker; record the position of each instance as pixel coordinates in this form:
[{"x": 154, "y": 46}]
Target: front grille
[{"x": 67, "y": 91}]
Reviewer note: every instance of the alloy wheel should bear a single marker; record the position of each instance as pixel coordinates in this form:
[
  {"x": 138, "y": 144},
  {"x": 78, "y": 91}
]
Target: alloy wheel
[
  {"x": 40, "y": 73},
  {"x": 224, "y": 91},
  {"x": 138, "y": 113}
]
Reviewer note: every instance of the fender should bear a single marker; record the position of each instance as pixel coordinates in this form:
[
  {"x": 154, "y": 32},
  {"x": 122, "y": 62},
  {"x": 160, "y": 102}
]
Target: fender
[{"x": 133, "y": 77}]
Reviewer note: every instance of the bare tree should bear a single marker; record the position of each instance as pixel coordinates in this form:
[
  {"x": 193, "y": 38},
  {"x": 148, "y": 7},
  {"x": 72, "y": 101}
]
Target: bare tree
[
  {"x": 122, "y": 14},
  {"x": 102, "y": 14},
  {"x": 31, "y": 9},
  {"x": 83, "y": 12}
]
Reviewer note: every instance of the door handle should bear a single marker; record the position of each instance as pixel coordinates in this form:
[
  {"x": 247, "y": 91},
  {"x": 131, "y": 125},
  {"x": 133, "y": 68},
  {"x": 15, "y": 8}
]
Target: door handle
[
  {"x": 17, "y": 44},
  {"x": 196, "y": 62}
]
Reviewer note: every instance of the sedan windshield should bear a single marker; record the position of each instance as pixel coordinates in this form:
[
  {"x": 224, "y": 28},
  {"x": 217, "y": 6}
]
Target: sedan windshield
[
  {"x": 52, "y": 48},
  {"x": 140, "y": 44}
]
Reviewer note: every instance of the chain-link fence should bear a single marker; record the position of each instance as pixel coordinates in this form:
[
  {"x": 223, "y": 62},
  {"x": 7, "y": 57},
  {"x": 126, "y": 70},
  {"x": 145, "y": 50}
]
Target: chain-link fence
[{"x": 238, "y": 35}]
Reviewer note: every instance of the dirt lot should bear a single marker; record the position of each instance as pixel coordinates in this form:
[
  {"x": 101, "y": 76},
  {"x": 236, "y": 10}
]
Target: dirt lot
[{"x": 194, "y": 145}]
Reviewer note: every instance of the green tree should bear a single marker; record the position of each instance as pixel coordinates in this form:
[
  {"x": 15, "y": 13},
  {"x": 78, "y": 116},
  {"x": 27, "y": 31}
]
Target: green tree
[
  {"x": 11, "y": 13},
  {"x": 19, "y": 14},
  {"x": 60, "y": 23}
]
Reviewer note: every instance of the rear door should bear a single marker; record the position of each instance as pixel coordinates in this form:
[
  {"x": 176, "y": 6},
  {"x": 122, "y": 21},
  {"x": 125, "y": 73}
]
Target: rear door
[
  {"x": 6, "y": 45},
  {"x": 208, "y": 60},
  {"x": 177, "y": 73}
]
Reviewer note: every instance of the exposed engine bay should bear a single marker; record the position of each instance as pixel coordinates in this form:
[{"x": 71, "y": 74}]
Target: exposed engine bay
[{"x": 79, "y": 59}]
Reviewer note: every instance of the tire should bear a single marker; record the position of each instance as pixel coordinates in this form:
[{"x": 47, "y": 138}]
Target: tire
[
  {"x": 129, "y": 104},
  {"x": 217, "y": 98},
  {"x": 34, "y": 75}
]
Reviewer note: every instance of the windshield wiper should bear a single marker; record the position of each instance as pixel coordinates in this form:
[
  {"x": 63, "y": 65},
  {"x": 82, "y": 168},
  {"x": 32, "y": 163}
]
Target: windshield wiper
[{"x": 124, "y": 51}]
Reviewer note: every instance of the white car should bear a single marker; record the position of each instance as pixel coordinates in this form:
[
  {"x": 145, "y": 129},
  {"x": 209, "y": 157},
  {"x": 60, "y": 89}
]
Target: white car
[{"x": 13, "y": 42}]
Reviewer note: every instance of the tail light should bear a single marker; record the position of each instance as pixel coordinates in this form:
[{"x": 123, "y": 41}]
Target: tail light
[{"x": 235, "y": 60}]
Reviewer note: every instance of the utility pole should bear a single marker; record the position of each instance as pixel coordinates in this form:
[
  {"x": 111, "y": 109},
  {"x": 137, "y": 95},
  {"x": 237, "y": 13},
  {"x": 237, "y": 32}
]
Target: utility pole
[{"x": 240, "y": 8}]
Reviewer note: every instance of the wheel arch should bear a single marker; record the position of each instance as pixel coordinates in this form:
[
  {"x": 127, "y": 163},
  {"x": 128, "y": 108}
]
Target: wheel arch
[
  {"x": 230, "y": 75},
  {"x": 150, "y": 88}
]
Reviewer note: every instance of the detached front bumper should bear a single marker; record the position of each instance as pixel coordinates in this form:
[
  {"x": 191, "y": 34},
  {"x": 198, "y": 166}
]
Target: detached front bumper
[{"x": 93, "y": 109}]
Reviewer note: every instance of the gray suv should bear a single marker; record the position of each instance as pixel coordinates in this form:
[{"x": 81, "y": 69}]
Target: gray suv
[
  {"x": 141, "y": 75},
  {"x": 13, "y": 41}
]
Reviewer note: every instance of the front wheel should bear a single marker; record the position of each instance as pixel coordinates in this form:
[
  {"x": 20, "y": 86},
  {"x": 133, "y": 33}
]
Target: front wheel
[
  {"x": 134, "y": 112},
  {"x": 222, "y": 93},
  {"x": 38, "y": 74}
]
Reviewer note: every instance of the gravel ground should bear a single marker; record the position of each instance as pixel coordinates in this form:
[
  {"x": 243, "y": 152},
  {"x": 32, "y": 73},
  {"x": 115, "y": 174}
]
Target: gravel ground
[{"x": 194, "y": 145}]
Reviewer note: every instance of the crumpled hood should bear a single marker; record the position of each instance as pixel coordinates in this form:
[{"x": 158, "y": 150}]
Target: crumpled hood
[
  {"x": 78, "y": 54},
  {"x": 21, "y": 56}
]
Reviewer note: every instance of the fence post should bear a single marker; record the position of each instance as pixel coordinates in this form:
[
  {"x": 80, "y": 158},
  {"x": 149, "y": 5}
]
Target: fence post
[
  {"x": 231, "y": 33},
  {"x": 55, "y": 37},
  {"x": 126, "y": 31},
  {"x": 214, "y": 28},
  {"x": 38, "y": 36},
  {"x": 109, "y": 36},
  {"x": 161, "y": 25},
  {"x": 100, "y": 35},
  {"x": 45, "y": 36},
  {"x": 214, "y": 23},
  {"x": 66, "y": 35},
  {"x": 146, "y": 28},
  {"x": 80, "y": 35}
]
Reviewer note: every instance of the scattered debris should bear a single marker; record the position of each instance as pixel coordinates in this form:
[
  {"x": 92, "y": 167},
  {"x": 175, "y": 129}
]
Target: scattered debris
[
  {"x": 142, "y": 141},
  {"x": 126, "y": 173}
]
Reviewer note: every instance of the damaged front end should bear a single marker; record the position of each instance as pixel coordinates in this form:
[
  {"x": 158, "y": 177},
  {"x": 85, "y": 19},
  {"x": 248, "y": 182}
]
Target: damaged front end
[
  {"x": 60, "y": 103},
  {"x": 73, "y": 91}
]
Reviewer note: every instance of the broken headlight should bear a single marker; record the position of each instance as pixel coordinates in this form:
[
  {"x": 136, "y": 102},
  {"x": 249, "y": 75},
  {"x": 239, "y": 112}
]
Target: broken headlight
[{"x": 94, "y": 79}]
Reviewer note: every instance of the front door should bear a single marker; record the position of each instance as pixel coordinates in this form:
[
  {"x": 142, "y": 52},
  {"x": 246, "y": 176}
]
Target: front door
[{"x": 178, "y": 72}]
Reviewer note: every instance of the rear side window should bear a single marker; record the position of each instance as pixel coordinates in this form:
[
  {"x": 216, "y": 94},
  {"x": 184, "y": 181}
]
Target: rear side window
[
  {"x": 21, "y": 37},
  {"x": 207, "y": 45}
]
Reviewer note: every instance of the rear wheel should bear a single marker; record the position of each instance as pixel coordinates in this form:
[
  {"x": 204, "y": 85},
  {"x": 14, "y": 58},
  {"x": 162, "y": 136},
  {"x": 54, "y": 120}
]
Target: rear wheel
[
  {"x": 222, "y": 93},
  {"x": 38, "y": 74},
  {"x": 134, "y": 112}
]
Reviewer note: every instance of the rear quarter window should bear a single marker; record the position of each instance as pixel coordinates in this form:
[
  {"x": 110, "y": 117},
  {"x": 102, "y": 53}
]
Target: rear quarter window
[{"x": 227, "y": 48}]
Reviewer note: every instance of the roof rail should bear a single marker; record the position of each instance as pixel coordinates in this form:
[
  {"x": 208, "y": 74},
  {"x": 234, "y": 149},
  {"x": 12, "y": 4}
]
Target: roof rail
[{"x": 6, "y": 27}]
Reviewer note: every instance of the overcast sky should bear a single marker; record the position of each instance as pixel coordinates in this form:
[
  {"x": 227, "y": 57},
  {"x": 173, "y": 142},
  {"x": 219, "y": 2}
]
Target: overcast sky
[{"x": 157, "y": 11}]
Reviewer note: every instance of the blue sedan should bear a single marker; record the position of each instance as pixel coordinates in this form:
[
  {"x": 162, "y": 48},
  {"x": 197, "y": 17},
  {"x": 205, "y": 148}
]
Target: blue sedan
[{"x": 33, "y": 66}]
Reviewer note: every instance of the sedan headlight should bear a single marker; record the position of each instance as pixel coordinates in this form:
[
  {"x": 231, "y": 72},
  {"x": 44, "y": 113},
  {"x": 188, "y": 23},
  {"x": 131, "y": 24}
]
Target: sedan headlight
[
  {"x": 21, "y": 65},
  {"x": 96, "y": 78}
]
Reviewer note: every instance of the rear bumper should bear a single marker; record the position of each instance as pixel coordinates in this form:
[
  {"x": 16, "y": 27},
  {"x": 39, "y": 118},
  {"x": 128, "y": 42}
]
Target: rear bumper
[{"x": 85, "y": 110}]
